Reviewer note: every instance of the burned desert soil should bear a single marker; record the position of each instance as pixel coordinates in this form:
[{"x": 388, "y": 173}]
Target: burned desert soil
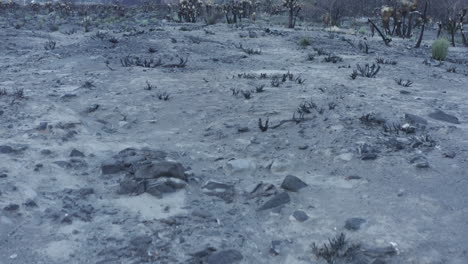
[{"x": 142, "y": 144}]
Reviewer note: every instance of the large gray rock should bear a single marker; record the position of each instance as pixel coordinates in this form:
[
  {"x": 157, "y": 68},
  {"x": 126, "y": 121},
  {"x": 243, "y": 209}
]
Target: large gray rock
[
  {"x": 442, "y": 116},
  {"x": 414, "y": 119},
  {"x": 293, "y": 183},
  {"x": 277, "y": 200}
]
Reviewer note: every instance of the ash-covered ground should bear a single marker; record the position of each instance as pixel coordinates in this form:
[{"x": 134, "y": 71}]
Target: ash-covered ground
[{"x": 140, "y": 143}]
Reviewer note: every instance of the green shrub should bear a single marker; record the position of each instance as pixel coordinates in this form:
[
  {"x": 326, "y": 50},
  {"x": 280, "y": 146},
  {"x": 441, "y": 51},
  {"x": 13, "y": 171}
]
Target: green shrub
[
  {"x": 304, "y": 42},
  {"x": 440, "y": 49}
]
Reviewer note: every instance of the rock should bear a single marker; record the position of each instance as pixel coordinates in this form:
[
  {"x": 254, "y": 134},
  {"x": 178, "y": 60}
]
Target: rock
[
  {"x": 229, "y": 256},
  {"x": 275, "y": 247},
  {"x": 243, "y": 129},
  {"x": 345, "y": 156},
  {"x": 112, "y": 166},
  {"x": 140, "y": 245},
  {"x": 202, "y": 214},
  {"x": 449, "y": 154},
  {"x": 354, "y": 224},
  {"x": 46, "y": 152},
  {"x": 76, "y": 153},
  {"x": 353, "y": 177},
  {"x": 368, "y": 156},
  {"x": 292, "y": 183},
  {"x": 202, "y": 253},
  {"x": 442, "y": 116},
  {"x": 42, "y": 126},
  {"x": 241, "y": 165},
  {"x": 414, "y": 119},
  {"x": 300, "y": 216},
  {"x": 130, "y": 186},
  {"x": 161, "y": 169},
  {"x": 4, "y": 149},
  {"x": 408, "y": 129},
  {"x": 262, "y": 190},
  {"x": 420, "y": 162},
  {"x": 84, "y": 192},
  {"x": 130, "y": 160},
  {"x": 30, "y": 203},
  {"x": 404, "y": 92},
  {"x": 157, "y": 187},
  {"x": 92, "y": 108},
  {"x": 277, "y": 200},
  {"x": 221, "y": 190},
  {"x": 11, "y": 207}
]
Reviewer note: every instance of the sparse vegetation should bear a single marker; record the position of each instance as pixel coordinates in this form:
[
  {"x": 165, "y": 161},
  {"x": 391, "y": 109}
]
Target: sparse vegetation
[
  {"x": 366, "y": 71},
  {"x": 304, "y": 42},
  {"x": 403, "y": 83},
  {"x": 50, "y": 45},
  {"x": 440, "y": 49}
]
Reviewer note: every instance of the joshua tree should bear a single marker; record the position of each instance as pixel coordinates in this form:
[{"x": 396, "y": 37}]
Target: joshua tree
[{"x": 294, "y": 8}]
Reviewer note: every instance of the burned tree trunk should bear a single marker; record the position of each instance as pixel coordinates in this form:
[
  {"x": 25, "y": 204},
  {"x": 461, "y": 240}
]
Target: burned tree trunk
[
  {"x": 424, "y": 20},
  {"x": 439, "y": 30},
  {"x": 461, "y": 26},
  {"x": 384, "y": 38}
]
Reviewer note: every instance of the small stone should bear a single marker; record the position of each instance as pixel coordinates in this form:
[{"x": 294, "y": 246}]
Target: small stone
[
  {"x": 401, "y": 192},
  {"x": 303, "y": 147},
  {"x": 354, "y": 224},
  {"x": 278, "y": 200},
  {"x": 46, "y": 152},
  {"x": 300, "y": 216},
  {"x": 76, "y": 153},
  {"x": 3, "y": 175},
  {"x": 275, "y": 247},
  {"x": 229, "y": 256},
  {"x": 92, "y": 108},
  {"x": 30, "y": 203},
  {"x": 404, "y": 92},
  {"x": 293, "y": 183},
  {"x": 353, "y": 177},
  {"x": 221, "y": 190},
  {"x": 420, "y": 162},
  {"x": 38, "y": 166},
  {"x": 4, "y": 149},
  {"x": 442, "y": 116},
  {"x": 11, "y": 207},
  {"x": 450, "y": 154},
  {"x": 157, "y": 187},
  {"x": 42, "y": 126},
  {"x": 368, "y": 156},
  {"x": 243, "y": 129}
]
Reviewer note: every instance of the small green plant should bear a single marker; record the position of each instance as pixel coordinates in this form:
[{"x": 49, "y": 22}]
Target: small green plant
[
  {"x": 304, "y": 42},
  {"x": 440, "y": 49}
]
